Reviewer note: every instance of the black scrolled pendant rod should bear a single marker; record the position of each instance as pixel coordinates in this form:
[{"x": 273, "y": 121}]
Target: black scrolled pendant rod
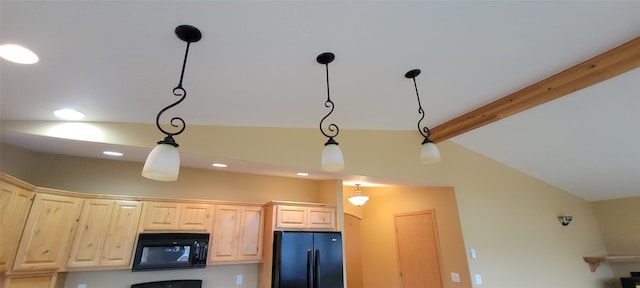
[
  {"x": 188, "y": 34},
  {"x": 424, "y": 131},
  {"x": 325, "y": 59}
]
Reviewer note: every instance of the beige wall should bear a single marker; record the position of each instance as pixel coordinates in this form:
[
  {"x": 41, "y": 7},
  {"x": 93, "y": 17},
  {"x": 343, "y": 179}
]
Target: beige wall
[
  {"x": 379, "y": 248},
  {"x": 620, "y": 223},
  {"x": 510, "y": 220},
  {"x": 123, "y": 178}
]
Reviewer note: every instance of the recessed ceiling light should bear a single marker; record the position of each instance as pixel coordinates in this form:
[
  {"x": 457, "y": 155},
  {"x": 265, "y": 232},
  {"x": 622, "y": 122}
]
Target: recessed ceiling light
[
  {"x": 303, "y": 174},
  {"x": 220, "y": 165},
  {"x": 68, "y": 114},
  {"x": 18, "y": 54},
  {"x": 112, "y": 153}
]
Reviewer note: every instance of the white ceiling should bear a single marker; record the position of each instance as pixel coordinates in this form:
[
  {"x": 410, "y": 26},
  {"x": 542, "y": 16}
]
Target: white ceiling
[{"x": 255, "y": 66}]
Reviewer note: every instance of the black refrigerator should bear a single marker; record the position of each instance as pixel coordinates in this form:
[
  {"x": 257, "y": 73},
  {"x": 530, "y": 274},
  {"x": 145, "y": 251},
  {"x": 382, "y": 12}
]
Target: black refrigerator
[{"x": 307, "y": 260}]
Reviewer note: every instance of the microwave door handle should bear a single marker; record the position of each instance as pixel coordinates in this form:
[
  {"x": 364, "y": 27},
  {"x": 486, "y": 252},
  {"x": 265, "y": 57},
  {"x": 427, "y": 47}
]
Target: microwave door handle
[
  {"x": 203, "y": 253},
  {"x": 198, "y": 251}
]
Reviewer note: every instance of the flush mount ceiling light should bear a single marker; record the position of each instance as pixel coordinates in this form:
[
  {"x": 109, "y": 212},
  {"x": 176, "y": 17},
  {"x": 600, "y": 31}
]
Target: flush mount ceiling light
[
  {"x": 358, "y": 199},
  {"x": 429, "y": 152},
  {"x": 18, "y": 54},
  {"x": 68, "y": 114},
  {"x": 163, "y": 163},
  {"x": 332, "y": 159}
]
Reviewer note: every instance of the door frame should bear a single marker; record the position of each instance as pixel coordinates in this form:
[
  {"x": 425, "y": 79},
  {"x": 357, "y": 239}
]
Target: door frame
[{"x": 437, "y": 242}]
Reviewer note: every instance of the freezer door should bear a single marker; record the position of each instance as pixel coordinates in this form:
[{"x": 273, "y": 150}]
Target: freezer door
[
  {"x": 328, "y": 260},
  {"x": 292, "y": 253}
]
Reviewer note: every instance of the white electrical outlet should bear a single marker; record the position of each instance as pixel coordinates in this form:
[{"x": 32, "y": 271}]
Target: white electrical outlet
[
  {"x": 82, "y": 285},
  {"x": 455, "y": 277},
  {"x": 239, "y": 279},
  {"x": 478, "y": 279}
]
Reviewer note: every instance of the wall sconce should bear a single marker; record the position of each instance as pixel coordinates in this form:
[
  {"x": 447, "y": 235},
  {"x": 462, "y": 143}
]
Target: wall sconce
[
  {"x": 332, "y": 159},
  {"x": 358, "y": 199},
  {"x": 429, "y": 152},
  {"x": 565, "y": 220},
  {"x": 163, "y": 163}
]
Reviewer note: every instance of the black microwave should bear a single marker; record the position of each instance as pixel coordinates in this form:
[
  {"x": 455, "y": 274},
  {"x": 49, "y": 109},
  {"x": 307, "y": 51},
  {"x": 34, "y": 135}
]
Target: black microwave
[{"x": 158, "y": 251}]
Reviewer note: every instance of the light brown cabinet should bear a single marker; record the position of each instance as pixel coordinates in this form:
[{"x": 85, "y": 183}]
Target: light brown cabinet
[
  {"x": 170, "y": 216},
  {"x": 305, "y": 217},
  {"x": 121, "y": 234},
  {"x": 237, "y": 234},
  {"x": 47, "y": 233},
  {"x": 33, "y": 281},
  {"x": 15, "y": 203},
  {"x": 105, "y": 234}
]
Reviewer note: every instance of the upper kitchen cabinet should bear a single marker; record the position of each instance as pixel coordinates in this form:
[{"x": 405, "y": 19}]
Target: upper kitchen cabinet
[
  {"x": 237, "y": 234},
  {"x": 15, "y": 203},
  {"x": 105, "y": 235},
  {"x": 47, "y": 233},
  {"x": 49, "y": 280},
  {"x": 303, "y": 216},
  {"x": 171, "y": 216}
]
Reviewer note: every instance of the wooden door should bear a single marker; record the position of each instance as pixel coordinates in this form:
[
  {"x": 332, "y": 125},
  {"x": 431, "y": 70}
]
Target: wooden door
[
  {"x": 15, "y": 205},
  {"x": 47, "y": 234},
  {"x": 418, "y": 250},
  {"x": 251, "y": 230},
  {"x": 353, "y": 254},
  {"x": 195, "y": 217},
  {"x": 224, "y": 246},
  {"x": 121, "y": 234},
  {"x": 90, "y": 233}
]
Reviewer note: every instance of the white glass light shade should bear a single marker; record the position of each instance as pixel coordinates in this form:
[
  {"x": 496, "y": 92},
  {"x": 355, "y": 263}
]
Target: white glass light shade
[
  {"x": 358, "y": 200},
  {"x": 163, "y": 163},
  {"x": 332, "y": 158},
  {"x": 429, "y": 153}
]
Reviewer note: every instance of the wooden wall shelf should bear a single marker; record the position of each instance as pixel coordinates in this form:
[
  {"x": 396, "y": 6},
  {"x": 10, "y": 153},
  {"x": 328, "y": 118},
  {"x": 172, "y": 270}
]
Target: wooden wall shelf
[{"x": 594, "y": 262}]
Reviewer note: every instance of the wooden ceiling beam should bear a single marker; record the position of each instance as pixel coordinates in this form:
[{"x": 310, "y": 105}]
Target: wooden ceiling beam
[{"x": 614, "y": 62}]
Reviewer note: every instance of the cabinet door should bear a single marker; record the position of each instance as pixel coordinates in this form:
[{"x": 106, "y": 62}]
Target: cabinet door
[
  {"x": 195, "y": 217},
  {"x": 224, "y": 241},
  {"x": 15, "y": 205},
  {"x": 322, "y": 218},
  {"x": 251, "y": 230},
  {"x": 90, "y": 233},
  {"x": 30, "y": 281},
  {"x": 47, "y": 234},
  {"x": 161, "y": 216},
  {"x": 291, "y": 217},
  {"x": 121, "y": 234}
]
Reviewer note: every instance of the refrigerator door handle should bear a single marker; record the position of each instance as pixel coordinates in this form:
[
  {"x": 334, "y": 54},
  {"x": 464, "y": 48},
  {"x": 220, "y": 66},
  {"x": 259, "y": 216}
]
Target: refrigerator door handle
[
  {"x": 316, "y": 270},
  {"x": 309, "y": 268}
]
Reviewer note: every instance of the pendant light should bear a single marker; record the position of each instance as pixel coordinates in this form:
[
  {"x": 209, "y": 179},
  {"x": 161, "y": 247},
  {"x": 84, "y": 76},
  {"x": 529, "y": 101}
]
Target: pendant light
[
  {"x": 332, "y": 159},
  {"x": 429, "y": 152},
  {"x": 358, "y": 199},
  {"x": 163, "y": 163}
]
